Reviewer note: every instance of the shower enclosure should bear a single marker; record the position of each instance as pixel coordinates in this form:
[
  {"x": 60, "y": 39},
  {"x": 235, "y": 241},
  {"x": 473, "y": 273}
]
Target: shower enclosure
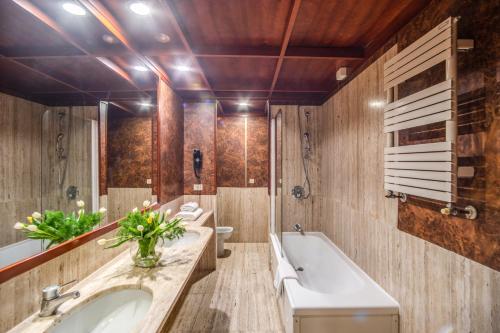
[{"x": 67, "y": 142}]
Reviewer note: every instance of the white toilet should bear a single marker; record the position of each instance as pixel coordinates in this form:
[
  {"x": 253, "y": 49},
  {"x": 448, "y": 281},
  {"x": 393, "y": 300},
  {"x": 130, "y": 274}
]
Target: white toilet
[{"x": 223, "y": 233}]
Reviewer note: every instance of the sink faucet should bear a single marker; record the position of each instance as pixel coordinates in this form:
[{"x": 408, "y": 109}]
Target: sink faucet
[
  {"x": 52, "y": 299},
  {"x": 297, "y": 227}
]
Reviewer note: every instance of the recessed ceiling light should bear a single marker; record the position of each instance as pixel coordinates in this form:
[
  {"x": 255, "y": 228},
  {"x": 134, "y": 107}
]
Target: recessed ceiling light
[
  {"x": 145, "y": 104},
  {"x": 74, "y": 9},
  {"x": 108, "y": 39},
  {"x": 140, "y": 68},
  {"x": 183, "y": 68},
  {"x": 162, "y": 38},
  {"x": 140, "y": 8},
  {"x": 243, "y": 103}
]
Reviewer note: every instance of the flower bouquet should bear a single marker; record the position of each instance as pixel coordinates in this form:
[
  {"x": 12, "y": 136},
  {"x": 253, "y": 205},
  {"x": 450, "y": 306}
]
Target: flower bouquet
[
  {"x": 58, "y": 227},
  {"x": 146, "y": 228}
]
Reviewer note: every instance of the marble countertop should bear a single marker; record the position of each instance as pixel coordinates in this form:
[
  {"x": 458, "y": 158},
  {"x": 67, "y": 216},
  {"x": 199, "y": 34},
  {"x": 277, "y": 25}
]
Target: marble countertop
[{"x": 166, "y": 283}]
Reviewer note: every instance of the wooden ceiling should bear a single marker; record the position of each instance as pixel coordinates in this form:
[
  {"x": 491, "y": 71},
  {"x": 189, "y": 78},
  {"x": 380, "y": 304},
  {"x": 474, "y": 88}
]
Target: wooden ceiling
[{"x": 281, "y": 51}]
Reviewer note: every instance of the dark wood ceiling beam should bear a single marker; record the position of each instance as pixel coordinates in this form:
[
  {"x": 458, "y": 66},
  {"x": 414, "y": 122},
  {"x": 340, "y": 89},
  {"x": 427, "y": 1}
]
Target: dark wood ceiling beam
[
  {"x": 292, "y": 52},
  {"x": 50, "y": 77},
  {"x": 324, "y": 52},
  {"x": 36, "y": 12},
  {"x": 284, "y": 45},
  {"x": 111, "y": 24},
  {"x": 172, "y": 17}
]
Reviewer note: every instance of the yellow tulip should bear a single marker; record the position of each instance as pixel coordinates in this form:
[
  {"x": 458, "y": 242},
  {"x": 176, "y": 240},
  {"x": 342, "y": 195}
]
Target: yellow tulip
[
  {"x": 30, "y": 219},
  {"x": 150, "y": 220}
]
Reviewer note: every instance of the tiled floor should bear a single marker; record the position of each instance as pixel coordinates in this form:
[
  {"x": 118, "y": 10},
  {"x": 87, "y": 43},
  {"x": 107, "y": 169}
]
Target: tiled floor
[{"x": 238, "y": 297}]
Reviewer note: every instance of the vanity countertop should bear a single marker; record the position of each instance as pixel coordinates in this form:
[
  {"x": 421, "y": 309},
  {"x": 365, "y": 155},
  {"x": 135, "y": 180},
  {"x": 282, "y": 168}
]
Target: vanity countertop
[{"x": 166, "y": 283}]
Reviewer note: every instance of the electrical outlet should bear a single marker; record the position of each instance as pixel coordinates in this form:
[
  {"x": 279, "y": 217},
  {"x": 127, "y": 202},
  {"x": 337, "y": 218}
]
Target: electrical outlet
[
  {"x": 251, "y": 181},
  {"x": 149, "y": 181},
  {"x": 198, "y": 187}
]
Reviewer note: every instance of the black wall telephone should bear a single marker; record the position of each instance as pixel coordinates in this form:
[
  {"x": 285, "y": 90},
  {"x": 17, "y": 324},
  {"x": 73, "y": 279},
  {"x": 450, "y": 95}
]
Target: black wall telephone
[{"x": 197, "y": 162}]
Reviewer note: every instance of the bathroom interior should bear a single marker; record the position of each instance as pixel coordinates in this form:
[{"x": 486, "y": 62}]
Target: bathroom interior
[{"x": 304, "y": 166}]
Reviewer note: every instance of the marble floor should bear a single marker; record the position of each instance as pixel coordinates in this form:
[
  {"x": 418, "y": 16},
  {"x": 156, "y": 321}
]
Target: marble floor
[{"x": 238, "y": 297}]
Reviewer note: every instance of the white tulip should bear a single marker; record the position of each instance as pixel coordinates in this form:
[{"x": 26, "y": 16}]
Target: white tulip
[
  {"x": 32, "y": 227},
  {"x": 135, "y": 210},
  {"x": 140, "y": 227},
  {"x": 168, "y": 212},
  {"x": 152, "y": 215},
  {"x": 80, "y": 203},
  {"x": 36, "y": 215},
  {"x": 102, "y": 210},
  {"x": 163, "y": 225},
  {"x": 19, "y": 226},
  {"x": 101, "y": 241},
  {"x": 146, "y": 203}
]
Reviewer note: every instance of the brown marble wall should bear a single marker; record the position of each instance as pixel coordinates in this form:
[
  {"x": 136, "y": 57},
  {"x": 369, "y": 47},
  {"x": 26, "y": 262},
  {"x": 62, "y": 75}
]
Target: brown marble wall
[
  {"x": 231, "y": 152},
  {"x": 103, "y": 148},
  {"x": 129, "y": 150},
  {"x": 199, "y": 132},
  {"x": 257, "y": 151},
  {"x": 170, "y": 144},
  {"x": 478, "y": 133},
  {"x": 231, "y": 155}
]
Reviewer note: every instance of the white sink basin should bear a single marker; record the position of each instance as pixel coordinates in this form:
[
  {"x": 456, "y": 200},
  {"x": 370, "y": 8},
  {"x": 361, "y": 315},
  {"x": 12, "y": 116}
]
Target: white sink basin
[
  {"x": 120, "y": 311},
  {"x": 189, "y": 238}
]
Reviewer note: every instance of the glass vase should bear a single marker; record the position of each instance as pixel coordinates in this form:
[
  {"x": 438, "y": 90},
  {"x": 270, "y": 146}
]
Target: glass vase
[{"x": 146, "y": 253}]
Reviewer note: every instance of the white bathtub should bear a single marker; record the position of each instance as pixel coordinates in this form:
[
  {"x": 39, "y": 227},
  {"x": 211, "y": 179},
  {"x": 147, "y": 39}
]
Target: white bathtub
[
  {"x": 333, "y": 294},
  {"x": 12, "y": 253}
]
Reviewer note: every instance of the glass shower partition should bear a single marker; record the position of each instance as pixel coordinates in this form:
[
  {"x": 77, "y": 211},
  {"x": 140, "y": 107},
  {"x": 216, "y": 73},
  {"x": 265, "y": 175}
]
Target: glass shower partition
[{"x": 68, "y": 147}]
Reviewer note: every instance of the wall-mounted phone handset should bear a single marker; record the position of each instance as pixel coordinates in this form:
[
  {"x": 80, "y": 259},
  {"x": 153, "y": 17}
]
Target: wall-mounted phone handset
[{"x": 197, "y": 162}]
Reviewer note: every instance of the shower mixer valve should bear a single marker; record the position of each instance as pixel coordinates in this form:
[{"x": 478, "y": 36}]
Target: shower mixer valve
[{"x": 298, "y": 192}]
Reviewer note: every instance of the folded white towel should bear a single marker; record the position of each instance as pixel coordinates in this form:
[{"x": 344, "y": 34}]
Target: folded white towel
[
  {"x": 189, "y": 207},
  {"x": 190, "y": 216},
  {"x": 283, "y": 271}
]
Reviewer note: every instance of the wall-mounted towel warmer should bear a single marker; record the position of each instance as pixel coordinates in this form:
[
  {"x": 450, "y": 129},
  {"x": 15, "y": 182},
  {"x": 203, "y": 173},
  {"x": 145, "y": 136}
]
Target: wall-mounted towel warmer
[{"x": 426, "y": 170}]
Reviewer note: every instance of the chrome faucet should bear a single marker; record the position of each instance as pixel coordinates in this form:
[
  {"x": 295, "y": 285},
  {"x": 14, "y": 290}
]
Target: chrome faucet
[
  {"x": 52, "y": 299},
  {"x": 297, "y": 227}
]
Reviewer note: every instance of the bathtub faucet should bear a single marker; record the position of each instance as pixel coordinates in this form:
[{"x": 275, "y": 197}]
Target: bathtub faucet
[{"x": 297, "y": 227}]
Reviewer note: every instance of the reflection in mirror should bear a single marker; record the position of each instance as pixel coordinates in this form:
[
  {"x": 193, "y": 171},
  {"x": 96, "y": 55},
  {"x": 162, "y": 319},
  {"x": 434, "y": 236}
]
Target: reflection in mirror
[
  {"x": 48, "y": 164},
  {"x": 131, "y": 155}
]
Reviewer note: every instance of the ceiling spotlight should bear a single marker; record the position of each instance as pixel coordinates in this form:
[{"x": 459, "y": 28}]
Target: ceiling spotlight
[
  {"x": 74, "y": 9},
  {"x": 243, "y": 104},
  {"x": 162, "y": 38},
  {"x": 108, "y": 39},
  {"x": 145, "y": 104},
  {"x": 183, "y": 68},
  {"x": 140, "y": 68},
  {"x": 140, "y": 8}
]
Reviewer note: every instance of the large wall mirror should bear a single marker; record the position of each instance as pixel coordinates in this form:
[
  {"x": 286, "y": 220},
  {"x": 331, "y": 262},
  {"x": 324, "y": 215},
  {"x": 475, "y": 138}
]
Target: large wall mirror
[{"x": 59, "y": 163}]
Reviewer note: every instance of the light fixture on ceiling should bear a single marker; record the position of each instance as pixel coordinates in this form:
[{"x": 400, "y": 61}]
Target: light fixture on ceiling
[
  {"x": 140, "y": 8},
  {"x": 108, "y": 39},
  {"x": 243, "y": 104},
  {"x": 162, "y": 38},
  {"x": 74, "y": 9},
  {"x": 145, "y": 104},
  {"x": 342, "y": 73},
  {"x": 140, "y": 68},
  {"x": 183, "y": 68}
]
